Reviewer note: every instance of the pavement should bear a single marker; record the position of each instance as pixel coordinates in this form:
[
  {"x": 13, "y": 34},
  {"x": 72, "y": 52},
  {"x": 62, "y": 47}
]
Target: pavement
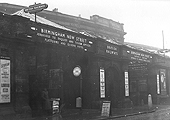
[{"x": 89, "y": 114}]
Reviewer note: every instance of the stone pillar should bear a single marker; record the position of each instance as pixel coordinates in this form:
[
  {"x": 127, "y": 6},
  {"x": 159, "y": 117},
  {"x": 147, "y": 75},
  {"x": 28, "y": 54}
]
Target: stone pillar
[
  {"x": 21, "y": 83},
  {"x": 127, "y": 103}
]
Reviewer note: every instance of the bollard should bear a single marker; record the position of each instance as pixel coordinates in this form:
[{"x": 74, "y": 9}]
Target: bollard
[
  {"x": 78, "y": 102},
  {"x": 149, "y": 101}
]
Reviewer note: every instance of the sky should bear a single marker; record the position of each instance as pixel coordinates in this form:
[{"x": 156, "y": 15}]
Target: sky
[{"x": 145, "y": 21}]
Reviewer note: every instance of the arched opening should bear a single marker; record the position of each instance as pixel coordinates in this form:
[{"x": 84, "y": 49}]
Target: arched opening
[{"x": 113, "y": 86}]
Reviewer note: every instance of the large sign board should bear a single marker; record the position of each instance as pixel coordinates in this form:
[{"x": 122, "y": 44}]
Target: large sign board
[
  {"x": 107, "y": 49},
  {"x": 4, "y": 81},
  {"x": 68, "y": 39},
  {"x": 136, "y": 55}
]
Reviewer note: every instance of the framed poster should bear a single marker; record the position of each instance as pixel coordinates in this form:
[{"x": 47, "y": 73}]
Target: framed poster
[
  {"x": 4, "y": 81},
  {"x": 163, "y": 81},
  {"x": 106, "y": 108},
  {"x": 158, "y": 84},
  {"x": 126, "y": 83},
  {"x": 102, "y": 83}
]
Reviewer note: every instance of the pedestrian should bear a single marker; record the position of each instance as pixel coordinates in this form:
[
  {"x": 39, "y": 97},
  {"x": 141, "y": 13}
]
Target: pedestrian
[{"x": 46, "y": 105}]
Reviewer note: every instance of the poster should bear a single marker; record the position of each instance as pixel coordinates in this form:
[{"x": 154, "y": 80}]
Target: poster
[
  {"x": 102, "y": 83},
  {"x": 158, "y": 85},
  {"x": 163, "y": 81},
  {"x": 126, "y": 84},
  {"x": 105, "y": 108},
  {"x": 55, "y": 106},
  {"x": 4, "y": 81}
]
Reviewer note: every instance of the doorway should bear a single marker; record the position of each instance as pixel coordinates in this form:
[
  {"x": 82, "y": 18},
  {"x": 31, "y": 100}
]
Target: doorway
[{"x": 112, "y": 86}]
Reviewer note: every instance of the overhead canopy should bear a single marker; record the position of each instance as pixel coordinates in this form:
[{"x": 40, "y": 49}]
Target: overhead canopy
[{"x": 40, "y": 19}]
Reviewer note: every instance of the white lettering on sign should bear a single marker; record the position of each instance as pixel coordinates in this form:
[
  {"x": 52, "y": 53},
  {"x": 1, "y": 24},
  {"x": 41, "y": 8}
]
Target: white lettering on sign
[
  {"x": 88, "y": 45},
  {"x": 108, "y": 49},
  {"x": 111, "y": 52},
  {"x": 111, "y": 47},
  {"x": 62, "y": 39},
  {"x": 81, "y": 40},
  {"x": 52, "y": 33},
  {"x": 134, "y": 55},
  {"x": 65, "y": 39},
  {"x": 70, "y": 37},
  {"x": 71, "y": 45},
  {"x": 79, "y": 43}
]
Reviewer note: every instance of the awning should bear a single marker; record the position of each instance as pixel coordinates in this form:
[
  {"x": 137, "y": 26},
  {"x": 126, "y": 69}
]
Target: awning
[{"x": 40, "y": 19}]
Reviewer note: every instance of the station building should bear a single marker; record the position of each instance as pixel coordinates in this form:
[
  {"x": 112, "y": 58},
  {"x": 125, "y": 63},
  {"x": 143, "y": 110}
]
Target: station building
[{"x": 40, "y": 56}]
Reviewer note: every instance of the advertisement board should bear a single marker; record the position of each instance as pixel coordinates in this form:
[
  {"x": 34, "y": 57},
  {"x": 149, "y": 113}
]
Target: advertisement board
[
  {"x": 163, "y": 81},
  {"x": 126, "y": 83},
  {"x": 107, "y": 49},
  {"x": 4, "y": 81},
  {"x": 137, "y": 55},
  {"x": 102, "y": 83},
  {"x": 158, "y": 85},
  {"x": 106, "y": 108}
]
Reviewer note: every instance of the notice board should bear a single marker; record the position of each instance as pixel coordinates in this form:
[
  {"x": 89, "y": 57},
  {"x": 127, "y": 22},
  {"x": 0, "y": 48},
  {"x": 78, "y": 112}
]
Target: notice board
[{"x": 105, "y": 108}]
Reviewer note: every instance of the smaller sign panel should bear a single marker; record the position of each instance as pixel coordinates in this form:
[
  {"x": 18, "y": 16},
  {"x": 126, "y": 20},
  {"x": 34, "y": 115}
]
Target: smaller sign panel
[
  {"x": 135, "y": 55},
  {"x": 105, "y": 108},
  {"x": 107, "y": 49}
]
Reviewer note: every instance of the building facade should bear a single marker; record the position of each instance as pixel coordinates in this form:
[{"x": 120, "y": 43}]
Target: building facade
[{"x": 41, "y": 56}]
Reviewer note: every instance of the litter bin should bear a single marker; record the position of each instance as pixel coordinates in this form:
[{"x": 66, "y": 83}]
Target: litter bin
[{"x": 55, "y": 103}]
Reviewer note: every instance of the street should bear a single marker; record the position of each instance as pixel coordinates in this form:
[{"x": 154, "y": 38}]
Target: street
[{"x": 158, "y": 115}]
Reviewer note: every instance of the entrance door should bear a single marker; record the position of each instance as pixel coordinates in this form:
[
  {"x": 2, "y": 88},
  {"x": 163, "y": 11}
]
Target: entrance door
[
  {"x": 112, "y": 86},
  {"x": 138, "y": 91},
  {"x": 55, "y": 83},
  {"x": 71, "y": 89}
]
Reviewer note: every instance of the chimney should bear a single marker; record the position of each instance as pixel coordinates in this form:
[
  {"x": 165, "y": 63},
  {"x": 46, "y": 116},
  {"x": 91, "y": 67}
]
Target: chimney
[{"x": 55, "y": 10}]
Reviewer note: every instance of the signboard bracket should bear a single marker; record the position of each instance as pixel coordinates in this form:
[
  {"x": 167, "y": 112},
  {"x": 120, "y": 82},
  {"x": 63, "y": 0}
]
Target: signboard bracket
[{"x": 33, "y": 9}]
